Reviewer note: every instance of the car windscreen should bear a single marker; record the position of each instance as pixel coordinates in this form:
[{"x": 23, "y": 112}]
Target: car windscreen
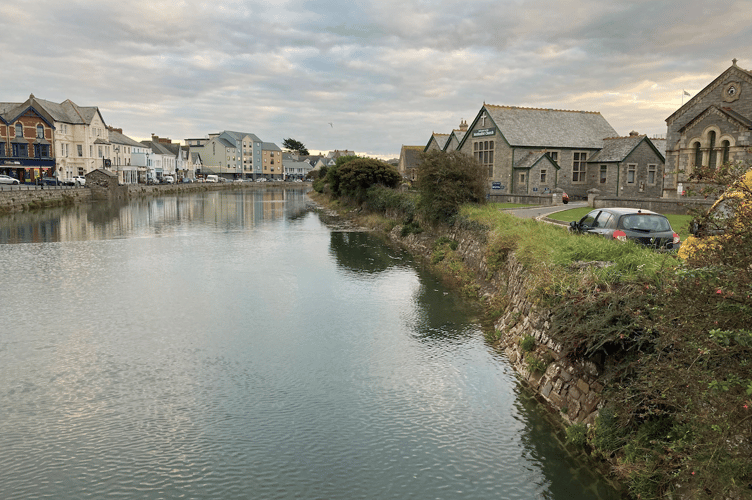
[{"x": 645, "y": 223}]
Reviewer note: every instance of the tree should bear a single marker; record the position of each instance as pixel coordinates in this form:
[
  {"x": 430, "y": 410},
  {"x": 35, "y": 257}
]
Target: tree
[
  {"x": 295, "y": 146},
  {"x": 353, "y": 177},
  {"x": 446, "y": 181}
]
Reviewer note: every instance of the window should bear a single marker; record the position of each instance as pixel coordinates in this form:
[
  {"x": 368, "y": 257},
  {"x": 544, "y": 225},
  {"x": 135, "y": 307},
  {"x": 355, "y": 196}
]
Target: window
[
  {"x": 711, "y": 149},
  {"x": 725, "y": 145},
  {"x": 80, "y": 150},
  {"x": 578, "y": 167},
  {"x": 80, "y": 171},
  {"x": 631, "y": 173},
  {"x": 99, "y": 151},
  {"x": 652, "y": 172},
  {"x": 543, "y": 176},
  {"x": 91, "y": 151},
  {"x": 20, "y": 150},
  {"x": 483, "y": 151},
  {"x": 554, "y": 156},
  {"x": 604, "y": 174},
  {"x": 41, "y": 151},
  {"x": 698, "y": 155},
  {"x": 19, "y": 130},
  {"x": 40, "y": 132}
]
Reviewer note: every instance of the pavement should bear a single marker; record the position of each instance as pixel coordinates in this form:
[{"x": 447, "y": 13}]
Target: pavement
[{"x": 541, "y": 212}]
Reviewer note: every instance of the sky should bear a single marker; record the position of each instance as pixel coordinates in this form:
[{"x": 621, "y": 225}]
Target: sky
[{"x": 364, "y": 75}]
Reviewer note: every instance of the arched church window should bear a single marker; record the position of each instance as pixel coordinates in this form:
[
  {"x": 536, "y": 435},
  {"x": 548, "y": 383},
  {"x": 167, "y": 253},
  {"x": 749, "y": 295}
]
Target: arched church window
[
  {"x": 711, "y": 150},
  {"x": 725, "y": 146}
]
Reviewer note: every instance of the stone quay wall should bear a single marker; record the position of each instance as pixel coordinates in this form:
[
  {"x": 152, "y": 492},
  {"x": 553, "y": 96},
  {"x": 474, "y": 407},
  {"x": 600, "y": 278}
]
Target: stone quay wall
[
  {"x": 571, "y": 387},
  {"x": 17, "y": 200}
]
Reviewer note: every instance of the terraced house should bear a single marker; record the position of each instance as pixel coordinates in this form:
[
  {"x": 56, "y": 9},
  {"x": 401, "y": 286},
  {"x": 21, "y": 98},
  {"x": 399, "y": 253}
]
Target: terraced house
[{"x": 26, "y": 141}]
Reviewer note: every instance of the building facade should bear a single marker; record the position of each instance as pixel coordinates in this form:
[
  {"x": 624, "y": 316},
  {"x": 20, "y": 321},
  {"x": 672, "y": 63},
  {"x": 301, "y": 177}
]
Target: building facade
[
  {"x": 501, "y": 139},
  {"x": 712, "y": 128},
  {"x": 26, "y": 141}
]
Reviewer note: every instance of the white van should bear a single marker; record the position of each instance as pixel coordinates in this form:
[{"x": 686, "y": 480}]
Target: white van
[{"x": 212, "y": 178}]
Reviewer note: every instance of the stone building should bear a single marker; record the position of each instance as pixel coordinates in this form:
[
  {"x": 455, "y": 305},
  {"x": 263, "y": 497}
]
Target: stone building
[
  {"x": 408, "y": 161},
  {"x": 502, "y": 139},
  {"x": 711, "y": 128},
  {"x": 627, "y": 167},
  {"x": 437, "y": 141}
]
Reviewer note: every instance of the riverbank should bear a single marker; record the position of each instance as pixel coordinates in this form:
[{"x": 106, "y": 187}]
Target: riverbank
[
  {"x": 25, "y": 198},
  {"x": 613, "y": 351}
]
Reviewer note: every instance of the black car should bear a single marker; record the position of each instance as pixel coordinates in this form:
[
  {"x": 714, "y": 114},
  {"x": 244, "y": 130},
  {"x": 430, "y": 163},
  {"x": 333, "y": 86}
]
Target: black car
[
  {"x": 641, "y": 226},
  {"x": 49, "y": 181}
]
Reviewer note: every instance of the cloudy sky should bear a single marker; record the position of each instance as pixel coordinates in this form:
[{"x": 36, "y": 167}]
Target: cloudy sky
[{"x": 364, "y": 75}]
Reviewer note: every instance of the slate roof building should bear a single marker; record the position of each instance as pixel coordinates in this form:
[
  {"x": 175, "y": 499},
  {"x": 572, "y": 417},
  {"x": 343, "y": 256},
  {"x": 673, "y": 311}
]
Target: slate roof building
[
  {"x": 501, "y": 138},
  {"x": 713, "y": 127},
  {"x": 123, "y": 152},
  {"x": 455, "y": 138},
  {"x": 409, "y": 160},
  {"x": 26, "y": 141},
  {"x": 79, "y": 140},
  {"x": 437, "y": 142},
  {"x": 627, "y": 167}
]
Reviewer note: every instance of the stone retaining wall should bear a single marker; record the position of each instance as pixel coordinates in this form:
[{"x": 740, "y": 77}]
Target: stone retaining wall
[
  {"x": 16, "y": 200},
  {"x": 572, "y": 388}
]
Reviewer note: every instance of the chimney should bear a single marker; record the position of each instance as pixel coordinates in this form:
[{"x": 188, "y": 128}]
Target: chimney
[
  {"x": 463, "y": 126},
  {"x": 634, "y": 133}
]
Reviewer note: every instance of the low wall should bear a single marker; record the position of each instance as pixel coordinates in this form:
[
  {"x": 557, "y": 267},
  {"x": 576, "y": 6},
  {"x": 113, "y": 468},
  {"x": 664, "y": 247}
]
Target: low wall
[
  {"x": 16, "y": 200},
  {"x": 526, "y": 199},
  {"x": 681, "y": 206}
]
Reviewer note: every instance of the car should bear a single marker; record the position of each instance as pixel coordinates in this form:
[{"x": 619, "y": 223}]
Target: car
[
  {"x": 186, "y": 180},
  {"x": 78, "y": 180},
  {"x": 168, "y": 179},
  {"x": 49, "y": 181},
  {"x": 7, "y": 179},
  {"x": 261, "y": 179},
  {"x": 629, "y": 224}
]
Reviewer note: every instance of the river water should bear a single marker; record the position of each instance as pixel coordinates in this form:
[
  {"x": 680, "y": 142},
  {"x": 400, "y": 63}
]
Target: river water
[{"x": 230, "y": 345}]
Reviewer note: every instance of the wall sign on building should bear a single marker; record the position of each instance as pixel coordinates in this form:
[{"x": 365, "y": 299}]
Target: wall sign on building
[{"x": 483, "y": 132}]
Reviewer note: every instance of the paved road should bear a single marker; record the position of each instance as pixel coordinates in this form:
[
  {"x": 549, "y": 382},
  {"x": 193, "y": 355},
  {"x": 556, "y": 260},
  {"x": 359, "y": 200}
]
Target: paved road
[{"x": 533, "y": 212}]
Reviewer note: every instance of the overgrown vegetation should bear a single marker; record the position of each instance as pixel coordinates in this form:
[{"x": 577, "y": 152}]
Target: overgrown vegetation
[{"x": 446, "y": 181}]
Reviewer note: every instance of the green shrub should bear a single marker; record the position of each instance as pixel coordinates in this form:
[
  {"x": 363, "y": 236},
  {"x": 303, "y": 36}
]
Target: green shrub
[
  {"x": 577, "y": 435},
  {"x": 446, "y": 181},
  {"x": 411, "y": 228},
  {"x": 527, "y": 343},
  {"x": 534, "y": 364},
  {"x": 353, "y": 176}
]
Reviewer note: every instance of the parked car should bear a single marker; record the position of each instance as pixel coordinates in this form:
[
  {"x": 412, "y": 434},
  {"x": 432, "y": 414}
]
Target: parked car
[
  {"x": 261, "y": 179},
  {"x": 212, "y": 178},
  {"x": 641, "y": 226},
  {"x": 7, "y": 179},
  {"x": 49, "y": 181},
  {"x": 168, "y": 179},
  {"x": 78, "y": 180},
  {"x": 186, "y": 180}
]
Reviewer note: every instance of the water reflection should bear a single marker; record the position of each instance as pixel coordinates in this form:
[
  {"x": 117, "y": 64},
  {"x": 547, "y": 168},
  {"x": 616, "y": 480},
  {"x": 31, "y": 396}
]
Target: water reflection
[
  {"x": 298, "y": 364},
  {"x": 231, "y": 210}
]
